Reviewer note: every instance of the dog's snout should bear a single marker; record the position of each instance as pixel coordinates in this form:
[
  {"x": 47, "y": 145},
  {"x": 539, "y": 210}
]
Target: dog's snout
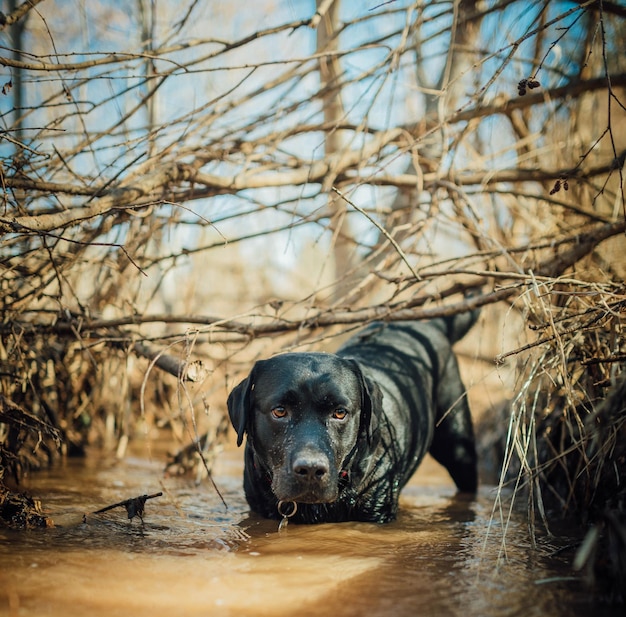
[{"x": 310, "y": 468}]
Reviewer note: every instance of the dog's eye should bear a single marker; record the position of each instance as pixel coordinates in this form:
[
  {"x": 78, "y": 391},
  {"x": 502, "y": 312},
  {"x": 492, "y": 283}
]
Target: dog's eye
[
  {"x": 279, "y": 413},
  {"x": 340, "y": 413}
]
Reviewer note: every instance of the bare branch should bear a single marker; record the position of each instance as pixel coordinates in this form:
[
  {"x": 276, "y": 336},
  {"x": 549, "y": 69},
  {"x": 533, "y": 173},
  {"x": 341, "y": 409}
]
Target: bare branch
[
  {"x": 503, "y": 104},
  {"x": 185, "y": 371},
  {"x": 17, "y": 14}
]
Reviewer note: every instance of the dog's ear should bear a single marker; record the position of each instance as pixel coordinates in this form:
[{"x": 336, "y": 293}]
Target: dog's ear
[
  {"x": 371, "y": 402},
  {"x": 239, "y": 406}
]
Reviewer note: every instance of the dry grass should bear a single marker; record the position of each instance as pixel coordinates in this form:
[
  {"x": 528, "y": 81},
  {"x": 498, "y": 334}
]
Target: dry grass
[{"x": 563, "y": 449}]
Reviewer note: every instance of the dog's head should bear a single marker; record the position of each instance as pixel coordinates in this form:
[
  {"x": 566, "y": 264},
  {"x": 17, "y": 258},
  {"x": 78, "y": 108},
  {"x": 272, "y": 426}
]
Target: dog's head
[{"x": 305, "y": 415}]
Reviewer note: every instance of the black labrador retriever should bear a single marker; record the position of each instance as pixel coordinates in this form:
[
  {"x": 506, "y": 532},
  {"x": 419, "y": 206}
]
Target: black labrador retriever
[{"x": 335, "y": 437}]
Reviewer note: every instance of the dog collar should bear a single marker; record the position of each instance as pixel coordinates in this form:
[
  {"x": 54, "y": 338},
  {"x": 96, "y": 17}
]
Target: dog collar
[{"x": 286, "y": 509}]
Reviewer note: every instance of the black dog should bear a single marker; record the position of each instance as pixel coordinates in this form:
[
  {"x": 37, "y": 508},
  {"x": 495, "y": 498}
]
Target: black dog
[{"x": 335, "y": 437}]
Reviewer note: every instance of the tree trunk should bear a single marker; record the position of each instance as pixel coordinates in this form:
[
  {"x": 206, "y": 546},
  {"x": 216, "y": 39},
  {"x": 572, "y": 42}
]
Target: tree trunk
[{"x": 327, "y": 16}]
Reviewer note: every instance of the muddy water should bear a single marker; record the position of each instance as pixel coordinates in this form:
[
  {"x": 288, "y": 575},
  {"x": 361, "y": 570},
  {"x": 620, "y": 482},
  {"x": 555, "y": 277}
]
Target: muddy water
[{"x": 193, "y": 557}]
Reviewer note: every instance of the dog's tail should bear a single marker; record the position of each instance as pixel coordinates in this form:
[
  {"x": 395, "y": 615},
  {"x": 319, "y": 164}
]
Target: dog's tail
[{"x": 457, "y": 326}]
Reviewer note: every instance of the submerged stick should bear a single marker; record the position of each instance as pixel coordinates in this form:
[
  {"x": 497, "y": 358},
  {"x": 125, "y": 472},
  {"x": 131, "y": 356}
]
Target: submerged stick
[{"x": 134, "y": 506}]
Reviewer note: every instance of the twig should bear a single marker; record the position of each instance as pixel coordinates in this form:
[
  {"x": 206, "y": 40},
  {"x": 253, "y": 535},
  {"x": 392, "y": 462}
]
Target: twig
[
  {"x": 186, "y": 371},
  {"x": 134, "y": 506},
  {"x": 382, "y": 230},
  {"x": 17, "y": 14}
]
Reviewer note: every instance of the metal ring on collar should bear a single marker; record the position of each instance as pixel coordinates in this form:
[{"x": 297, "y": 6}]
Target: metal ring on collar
[{"x": 281, "y": 505}]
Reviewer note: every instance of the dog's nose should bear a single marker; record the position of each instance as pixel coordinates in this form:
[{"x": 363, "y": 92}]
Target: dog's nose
[{"x": 310, "y": 468}]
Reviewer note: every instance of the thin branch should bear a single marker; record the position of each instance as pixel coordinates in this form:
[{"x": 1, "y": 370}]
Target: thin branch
[
  {"x": 183, "y": 370},
  {"x": 17, "y": 14},
  {"x": 503, "y": 104}
]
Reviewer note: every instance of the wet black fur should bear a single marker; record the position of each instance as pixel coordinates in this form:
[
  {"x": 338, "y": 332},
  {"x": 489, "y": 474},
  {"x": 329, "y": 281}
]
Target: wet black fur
[{"x": 402, "y": 395}]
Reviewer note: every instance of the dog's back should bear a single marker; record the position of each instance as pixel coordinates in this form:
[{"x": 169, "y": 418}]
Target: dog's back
[{"x": 424, "y": 400}]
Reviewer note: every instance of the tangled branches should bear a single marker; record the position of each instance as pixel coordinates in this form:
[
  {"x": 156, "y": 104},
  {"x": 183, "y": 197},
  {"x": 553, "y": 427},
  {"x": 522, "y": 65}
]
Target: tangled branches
[{"x": 186, "y": 191}]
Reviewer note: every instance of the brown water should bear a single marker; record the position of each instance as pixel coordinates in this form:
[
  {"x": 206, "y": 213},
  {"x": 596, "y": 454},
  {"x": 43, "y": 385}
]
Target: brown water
[{"x": 442, "y": 557}]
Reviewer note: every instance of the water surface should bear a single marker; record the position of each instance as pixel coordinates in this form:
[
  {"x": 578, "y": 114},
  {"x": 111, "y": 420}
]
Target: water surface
[{"x": 443, "y": 557}]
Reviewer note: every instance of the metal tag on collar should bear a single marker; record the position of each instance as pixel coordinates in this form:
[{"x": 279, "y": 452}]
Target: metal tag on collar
[{"x": 286, "y": 514}]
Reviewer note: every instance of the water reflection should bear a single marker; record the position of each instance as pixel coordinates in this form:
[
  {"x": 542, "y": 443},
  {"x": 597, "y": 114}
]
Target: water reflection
[{"x": 192, "y": 557}]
